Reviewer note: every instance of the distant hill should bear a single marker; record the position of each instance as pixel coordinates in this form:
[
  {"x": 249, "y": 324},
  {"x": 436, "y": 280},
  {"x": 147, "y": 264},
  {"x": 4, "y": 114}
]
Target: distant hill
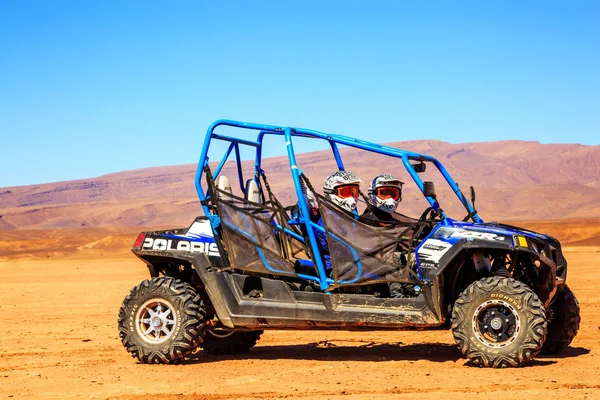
[{"x": 513, "y": 180}]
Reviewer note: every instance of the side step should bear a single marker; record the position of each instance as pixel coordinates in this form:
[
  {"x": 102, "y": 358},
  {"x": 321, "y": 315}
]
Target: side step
[{"x": 254, "y": 302}]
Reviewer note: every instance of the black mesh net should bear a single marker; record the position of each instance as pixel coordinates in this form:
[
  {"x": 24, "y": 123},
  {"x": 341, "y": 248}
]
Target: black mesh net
[
  {"x": 252, "y": 240},
  {"x": 360, "y": 253},
  {"x": 253, "y": 233}
]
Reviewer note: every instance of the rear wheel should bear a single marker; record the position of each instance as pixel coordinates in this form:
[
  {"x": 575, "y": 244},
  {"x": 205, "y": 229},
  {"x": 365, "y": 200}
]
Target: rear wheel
[
  {"x": 499, "y": 322},
  {"x": 221, "y": 342},
  {"x": 563, "y": 322},
  {"x": 161, "y": 321}
]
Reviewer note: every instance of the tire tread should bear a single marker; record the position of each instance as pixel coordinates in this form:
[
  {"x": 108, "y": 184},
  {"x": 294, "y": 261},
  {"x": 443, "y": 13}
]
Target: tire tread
[
  {"x": 192, "y": 325},
  {"x": 531, "y": 305}
]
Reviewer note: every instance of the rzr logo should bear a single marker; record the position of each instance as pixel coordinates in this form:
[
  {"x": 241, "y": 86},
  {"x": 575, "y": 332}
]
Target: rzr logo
[
  {"x": 463, "y": 233},
  {"x": 180, "y": 245}
]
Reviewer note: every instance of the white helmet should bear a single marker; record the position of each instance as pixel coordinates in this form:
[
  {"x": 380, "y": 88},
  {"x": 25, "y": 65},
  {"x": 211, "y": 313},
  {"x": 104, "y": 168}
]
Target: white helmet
[
  {"x": 311, "y": 202},
  {"x": 341, "y": 187},
  {"x": 385, "y": 192}
]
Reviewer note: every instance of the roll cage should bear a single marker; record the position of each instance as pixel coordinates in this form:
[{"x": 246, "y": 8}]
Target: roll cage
[{"x": 334, "y": 140}]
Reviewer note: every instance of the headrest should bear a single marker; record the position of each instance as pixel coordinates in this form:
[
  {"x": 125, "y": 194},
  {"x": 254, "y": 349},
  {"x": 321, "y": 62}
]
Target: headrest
[
  {"x": 252, "y": 193},
  {"x": 223, "y": 184}
]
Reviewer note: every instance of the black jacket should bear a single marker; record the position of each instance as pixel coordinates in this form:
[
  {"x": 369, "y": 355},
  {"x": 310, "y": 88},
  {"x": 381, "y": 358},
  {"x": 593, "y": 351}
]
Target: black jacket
[{"x": 374, "y": 216}]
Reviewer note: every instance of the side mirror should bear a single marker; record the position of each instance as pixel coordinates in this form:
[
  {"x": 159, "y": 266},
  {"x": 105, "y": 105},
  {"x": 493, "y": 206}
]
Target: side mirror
[
  {"x": 420, "y": 167},
  {"x": 473, "y": 196},
  {"x": 429, "y": 190}
]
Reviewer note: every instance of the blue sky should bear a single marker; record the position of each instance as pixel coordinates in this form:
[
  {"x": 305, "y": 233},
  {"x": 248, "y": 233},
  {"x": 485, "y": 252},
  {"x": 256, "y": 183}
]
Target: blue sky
[{"x": 94, "y": 87}]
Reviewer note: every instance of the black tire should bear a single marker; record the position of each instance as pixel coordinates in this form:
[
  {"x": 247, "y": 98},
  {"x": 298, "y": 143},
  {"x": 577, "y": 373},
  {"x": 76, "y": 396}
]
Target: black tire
[
  {"x": 499, "y": 322},
  {"x": 564, "y": 319},
  {"x": 220, "y": 342},
  {"x": 148, "y": 333}
]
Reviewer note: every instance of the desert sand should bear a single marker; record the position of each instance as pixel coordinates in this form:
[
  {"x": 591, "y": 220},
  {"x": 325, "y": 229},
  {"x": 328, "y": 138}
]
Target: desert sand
[{"x": 59, "y": 308}]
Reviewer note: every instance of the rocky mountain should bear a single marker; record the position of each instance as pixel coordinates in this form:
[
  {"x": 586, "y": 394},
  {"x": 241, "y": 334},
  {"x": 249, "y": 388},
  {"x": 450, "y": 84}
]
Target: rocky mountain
[{"x": 513, "y": 180}]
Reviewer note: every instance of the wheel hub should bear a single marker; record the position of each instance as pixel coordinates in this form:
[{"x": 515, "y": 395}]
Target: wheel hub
[
  {"x": 155, "y": 321},
  {"x": 496, "y": 323}
]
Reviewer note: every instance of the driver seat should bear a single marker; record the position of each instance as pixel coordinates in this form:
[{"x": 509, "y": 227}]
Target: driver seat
[{"x": 252, "y": 194}]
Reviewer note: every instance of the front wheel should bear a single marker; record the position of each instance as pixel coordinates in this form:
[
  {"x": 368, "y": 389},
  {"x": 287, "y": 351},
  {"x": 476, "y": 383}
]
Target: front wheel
[
  {"x": 161, "y": 321},
  {"x": 499, "y": 322}
]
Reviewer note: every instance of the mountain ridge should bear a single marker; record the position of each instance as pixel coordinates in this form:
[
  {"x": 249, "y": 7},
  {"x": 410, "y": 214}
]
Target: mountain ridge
[{"x": 513, "y": 180}]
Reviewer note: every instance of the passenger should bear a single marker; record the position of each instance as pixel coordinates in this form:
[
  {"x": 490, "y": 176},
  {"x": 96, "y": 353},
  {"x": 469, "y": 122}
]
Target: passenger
[
  {"x": 341, "y": 188},
  {"x": 385, "y": 193}
]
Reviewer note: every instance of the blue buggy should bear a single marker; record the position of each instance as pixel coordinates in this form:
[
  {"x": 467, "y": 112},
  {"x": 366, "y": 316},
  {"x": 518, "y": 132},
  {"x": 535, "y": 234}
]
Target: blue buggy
[{"x": 250, "y": 264}]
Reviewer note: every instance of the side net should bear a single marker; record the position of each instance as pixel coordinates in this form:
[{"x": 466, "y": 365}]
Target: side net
[
  {"x": 363, "y": 254},
  {"x": 252, "y": 240},
  {"x": 253, "y": 234}
]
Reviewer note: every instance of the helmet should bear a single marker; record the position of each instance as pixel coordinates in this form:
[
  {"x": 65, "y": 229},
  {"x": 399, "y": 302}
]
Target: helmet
[
  {"x": 341, "y": 187},
  {"x": 385, "y": 192},
  {"x": 311, "y": 203}
]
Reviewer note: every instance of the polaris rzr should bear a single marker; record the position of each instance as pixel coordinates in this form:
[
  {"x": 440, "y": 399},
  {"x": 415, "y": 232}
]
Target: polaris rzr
[{"x": 250, "y": 264}]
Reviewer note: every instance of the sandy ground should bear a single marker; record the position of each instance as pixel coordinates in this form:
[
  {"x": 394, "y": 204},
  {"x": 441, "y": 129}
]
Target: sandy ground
[{"x": 59, "y": 340}]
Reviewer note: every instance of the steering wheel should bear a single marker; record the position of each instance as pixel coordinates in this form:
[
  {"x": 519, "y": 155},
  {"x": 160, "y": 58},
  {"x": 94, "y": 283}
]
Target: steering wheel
[{"x": 428, "y": 214}]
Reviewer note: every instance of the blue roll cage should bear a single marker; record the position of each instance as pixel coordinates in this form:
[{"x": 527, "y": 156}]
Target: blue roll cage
[{"x": 333, "y": 140}]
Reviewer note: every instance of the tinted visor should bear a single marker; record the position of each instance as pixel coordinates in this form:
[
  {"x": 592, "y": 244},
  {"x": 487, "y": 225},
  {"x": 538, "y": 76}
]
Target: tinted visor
[
  {"x": 346, "y": 191},
  {"x": 387, "y": 192}
]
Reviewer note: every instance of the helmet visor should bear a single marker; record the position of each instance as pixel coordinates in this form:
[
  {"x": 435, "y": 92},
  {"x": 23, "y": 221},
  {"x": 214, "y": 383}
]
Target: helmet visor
[
  {"x": 387, "y": 192},
  {"x": 346, "y": 191}
]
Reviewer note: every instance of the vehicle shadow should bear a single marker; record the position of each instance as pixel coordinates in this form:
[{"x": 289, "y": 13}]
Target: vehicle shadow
[
  {"x": 328, "y": 351},
  {"x": 567, "y": 353}
]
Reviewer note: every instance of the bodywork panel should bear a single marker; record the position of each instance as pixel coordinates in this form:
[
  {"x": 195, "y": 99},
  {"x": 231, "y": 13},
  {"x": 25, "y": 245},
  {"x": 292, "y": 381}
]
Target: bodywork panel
[
  {"x": 448, "y": 240},
  {"x": 280, "y": 307}
]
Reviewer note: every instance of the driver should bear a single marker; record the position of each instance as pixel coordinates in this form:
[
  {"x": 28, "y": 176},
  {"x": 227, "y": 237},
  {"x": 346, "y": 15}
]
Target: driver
[{"x": 385, "y": 193}]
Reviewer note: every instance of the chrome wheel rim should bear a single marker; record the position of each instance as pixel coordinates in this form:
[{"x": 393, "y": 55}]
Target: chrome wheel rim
[
  {"x": 496, "y": 323},
  {"x": 220, "y": 333},
  {"x": 155, "y": 321}
]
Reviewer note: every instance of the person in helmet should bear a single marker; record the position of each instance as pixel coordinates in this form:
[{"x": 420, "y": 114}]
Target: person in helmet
[
  {"x": 342, "y": 188},
  {"x": 385, "y": 193}
]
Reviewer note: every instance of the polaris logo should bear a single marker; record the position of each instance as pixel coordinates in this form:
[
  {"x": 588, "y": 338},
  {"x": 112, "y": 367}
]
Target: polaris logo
[{"x": 159, "y": 244}]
